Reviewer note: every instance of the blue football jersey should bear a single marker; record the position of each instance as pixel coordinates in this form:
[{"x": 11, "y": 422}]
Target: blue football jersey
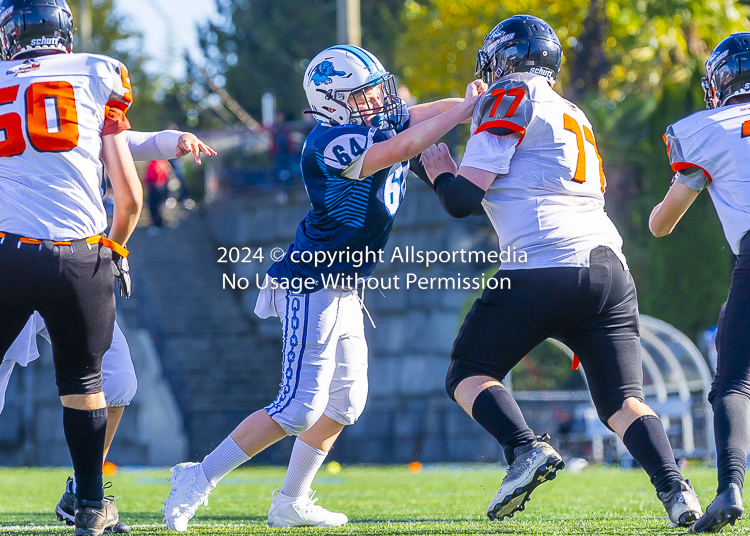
[{"x": 348, "y": 214}]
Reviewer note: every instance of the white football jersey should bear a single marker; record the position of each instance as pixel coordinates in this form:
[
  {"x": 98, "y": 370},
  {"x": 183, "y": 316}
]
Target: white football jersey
[
  {"x": 718, "y": 142},
  {"x": 53, "y": 113},
  {"x": 548, "y": 198}
]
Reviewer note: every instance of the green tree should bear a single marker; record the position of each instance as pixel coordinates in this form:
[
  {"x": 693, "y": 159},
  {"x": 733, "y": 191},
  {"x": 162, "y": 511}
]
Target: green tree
[
  {"x": 111, "y": 35},
  {"x": 265, "y": 45},
  {"x": 634, "y": 68}
]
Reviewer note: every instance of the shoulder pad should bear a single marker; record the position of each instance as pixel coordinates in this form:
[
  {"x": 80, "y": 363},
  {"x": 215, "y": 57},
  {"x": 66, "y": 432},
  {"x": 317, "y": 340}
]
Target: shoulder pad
[
  {"x": 122, "y": 90},
  {"x": 506, "y": 107},
  {"x": 337, "y": 147},
  {"x": 682, "y": 154}
]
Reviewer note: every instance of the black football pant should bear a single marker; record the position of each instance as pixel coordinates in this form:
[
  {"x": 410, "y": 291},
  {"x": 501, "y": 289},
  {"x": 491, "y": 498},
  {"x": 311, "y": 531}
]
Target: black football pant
[
  {"x": 730, "y": 390},
  {"x": 72, "y": 287}
]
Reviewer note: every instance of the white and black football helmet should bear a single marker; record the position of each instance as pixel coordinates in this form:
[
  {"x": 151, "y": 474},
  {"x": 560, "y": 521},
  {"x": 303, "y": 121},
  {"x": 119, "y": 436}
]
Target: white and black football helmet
[
  {"x": 31, "y": 28},
  {"x": 728, "y": 70},
  {"x": 345, "y": 71},
  {"x": 521, "y": 43}
]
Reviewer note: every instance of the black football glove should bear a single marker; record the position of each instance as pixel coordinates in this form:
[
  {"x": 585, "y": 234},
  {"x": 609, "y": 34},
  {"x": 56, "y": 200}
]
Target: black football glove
[{"x": 121, "y": 271}]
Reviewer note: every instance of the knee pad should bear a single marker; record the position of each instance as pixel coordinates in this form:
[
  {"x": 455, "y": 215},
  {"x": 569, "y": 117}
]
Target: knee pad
[
  {"x": 119, "y": 389},
  {"x": 295, "y": 417},
  {"x": 347, "y": 409}
]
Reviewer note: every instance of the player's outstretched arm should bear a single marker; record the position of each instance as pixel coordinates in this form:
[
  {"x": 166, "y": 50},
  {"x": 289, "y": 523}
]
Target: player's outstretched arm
[
  {"x": 427, "y": 110},
  {"x": 166, "y": 145},
  {"x": 127, "y": 186},
  {"x": 416, "y": 139},
  {"x": 666, "y": 214}
]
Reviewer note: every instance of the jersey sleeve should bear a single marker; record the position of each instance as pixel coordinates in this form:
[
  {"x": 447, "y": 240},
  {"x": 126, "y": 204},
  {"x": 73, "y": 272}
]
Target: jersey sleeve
[
  {"x": 341, "y": 152},
  {"x": 679, "y": 159},
  {"x": 490, "y": 153},
  {"x": 120, "y": 99},
  {"x": 693, "y": 178},
  {"x": 505, "y": 109}
]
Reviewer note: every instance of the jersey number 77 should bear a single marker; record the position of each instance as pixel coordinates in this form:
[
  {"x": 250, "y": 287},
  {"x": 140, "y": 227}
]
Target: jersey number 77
[{"x": 51, "y": 119}]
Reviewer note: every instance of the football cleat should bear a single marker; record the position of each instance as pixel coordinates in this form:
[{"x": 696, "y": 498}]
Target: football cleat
[
  {"x": 532, "y": 465},
  {"x": 682, "y": 504},
  {"x": 725, "y": 510},
  {"x": 185, "y": 497},
  {"x": 65, "y": 509},
  {"x": 302, "y": 511},
  {"x": 94, "y": 517}
]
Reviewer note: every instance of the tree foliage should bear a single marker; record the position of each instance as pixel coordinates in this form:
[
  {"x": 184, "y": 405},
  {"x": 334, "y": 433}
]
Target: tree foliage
[
  {"x": 264, "y": 45},
  {"x": 112, "y": 35},
  {"x": 635, "y": 68}
]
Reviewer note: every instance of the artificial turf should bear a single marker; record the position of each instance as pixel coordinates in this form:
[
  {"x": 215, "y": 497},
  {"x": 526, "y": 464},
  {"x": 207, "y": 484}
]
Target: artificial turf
[{"x": 441, "y": 499}]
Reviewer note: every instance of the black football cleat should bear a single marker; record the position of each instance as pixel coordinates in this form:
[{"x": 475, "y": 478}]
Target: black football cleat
[
  {"x": 65, "y": 510},
  {"x": 725, "y": 510}
]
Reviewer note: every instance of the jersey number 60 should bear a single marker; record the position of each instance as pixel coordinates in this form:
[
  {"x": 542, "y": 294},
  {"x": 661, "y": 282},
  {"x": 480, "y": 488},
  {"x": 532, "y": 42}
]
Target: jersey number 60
[{"x": 51, "y": 119}]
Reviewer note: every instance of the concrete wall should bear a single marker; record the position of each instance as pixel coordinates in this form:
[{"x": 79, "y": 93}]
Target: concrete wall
[{"x": 408, "y": 415}]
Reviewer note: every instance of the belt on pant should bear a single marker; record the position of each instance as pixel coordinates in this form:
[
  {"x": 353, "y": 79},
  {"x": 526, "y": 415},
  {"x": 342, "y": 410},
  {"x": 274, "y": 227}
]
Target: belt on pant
[{"x": 96, "y": 239}]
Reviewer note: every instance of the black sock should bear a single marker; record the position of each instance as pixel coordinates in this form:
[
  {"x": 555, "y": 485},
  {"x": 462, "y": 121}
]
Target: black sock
[
  {"x": 496, "y": 411},
  {"x": 732, "y": 430},
  {"x": 84, "y": 432},
  {"x": 647, "y": 442}
]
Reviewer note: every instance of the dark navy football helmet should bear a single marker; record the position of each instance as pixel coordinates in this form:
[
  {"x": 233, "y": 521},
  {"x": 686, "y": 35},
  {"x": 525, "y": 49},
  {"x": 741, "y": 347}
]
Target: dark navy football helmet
[
  {"x": 521, "y": 43},
  {"x": 728, "y": 70},
  {"x": 31, "y": 28}
]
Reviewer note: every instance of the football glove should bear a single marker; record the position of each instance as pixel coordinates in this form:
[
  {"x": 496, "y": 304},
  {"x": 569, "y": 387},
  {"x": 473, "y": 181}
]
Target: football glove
[{"x": 121, "y": 271}]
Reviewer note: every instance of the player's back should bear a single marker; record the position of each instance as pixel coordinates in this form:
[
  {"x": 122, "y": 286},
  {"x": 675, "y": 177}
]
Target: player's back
[
  {"x": 718, "y": 142},
  {"x": 548, "y": 199},
  {"x": 53, "y": 112}
]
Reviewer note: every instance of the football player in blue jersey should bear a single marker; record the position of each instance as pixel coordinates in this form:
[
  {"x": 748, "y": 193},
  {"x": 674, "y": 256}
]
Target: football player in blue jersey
[
  {"x": 354, "y": 165},
  {"x": 709, "y": 149}
]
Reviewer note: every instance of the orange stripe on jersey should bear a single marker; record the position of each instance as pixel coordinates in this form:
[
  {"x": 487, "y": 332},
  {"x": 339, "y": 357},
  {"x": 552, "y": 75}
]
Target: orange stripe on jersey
[
  {"x": 501, "y": 127},
  {"x": 746, "y": 129},
  {"x": 681, "y": 166},
  {"x": 114, "y": 121}
]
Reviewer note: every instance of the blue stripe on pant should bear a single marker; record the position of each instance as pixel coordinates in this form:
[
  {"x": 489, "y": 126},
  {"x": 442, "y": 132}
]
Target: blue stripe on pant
[{"x": 282, "y": 400}]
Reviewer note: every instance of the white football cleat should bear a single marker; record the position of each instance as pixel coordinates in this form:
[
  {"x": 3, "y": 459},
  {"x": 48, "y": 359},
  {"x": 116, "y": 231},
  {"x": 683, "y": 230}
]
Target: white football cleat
[
  {"x": 301, "y": 512},
  {"x": 185, "y": 496},
  {"x": 532, "y": 465}
]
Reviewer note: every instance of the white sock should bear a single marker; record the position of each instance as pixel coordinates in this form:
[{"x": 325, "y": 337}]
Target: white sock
[
  {"x": 303, "y": 465},
  {"x": 221, "y": 461}
]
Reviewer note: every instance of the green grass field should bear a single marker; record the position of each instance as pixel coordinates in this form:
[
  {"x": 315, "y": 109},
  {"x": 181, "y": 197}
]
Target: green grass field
[{"x": 441, "y": 499}]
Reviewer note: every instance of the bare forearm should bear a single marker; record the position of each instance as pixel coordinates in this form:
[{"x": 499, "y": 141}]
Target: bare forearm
[
  {"x": 127, "y": 186},
  {"x": 422, "y": 112},
  {"x": 124, "y": 222},
  {"x": 419, "y": 137},
  {"x": 413, "y": 140}
]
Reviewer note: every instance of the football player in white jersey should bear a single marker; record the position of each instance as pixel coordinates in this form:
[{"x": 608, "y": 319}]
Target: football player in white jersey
[
  {"x": 711, "y": 149},
  {"x": 60, "y": 114},
  {"x": 119, "y": 382},
  {"x": 533, "y": 164}
]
